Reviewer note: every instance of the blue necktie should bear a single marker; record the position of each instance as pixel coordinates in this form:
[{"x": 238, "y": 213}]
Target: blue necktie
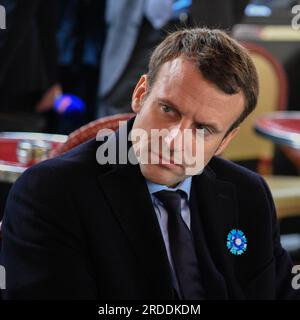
[{"x": 182, "y": 247}]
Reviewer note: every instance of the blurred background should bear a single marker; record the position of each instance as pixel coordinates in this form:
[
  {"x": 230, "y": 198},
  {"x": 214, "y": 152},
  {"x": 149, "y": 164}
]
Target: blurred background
[{"x": 68, "y": 69}]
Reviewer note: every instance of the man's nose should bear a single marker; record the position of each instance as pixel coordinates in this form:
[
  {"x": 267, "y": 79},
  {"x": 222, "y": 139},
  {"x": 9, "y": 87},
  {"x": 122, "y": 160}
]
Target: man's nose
[{"x": 174, "y": 139}]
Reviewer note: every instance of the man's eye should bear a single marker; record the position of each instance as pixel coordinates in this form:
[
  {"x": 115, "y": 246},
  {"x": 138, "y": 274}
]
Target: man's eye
[
  {"x": 207, "y": 131},
  {"x": 166, "y": 109}
]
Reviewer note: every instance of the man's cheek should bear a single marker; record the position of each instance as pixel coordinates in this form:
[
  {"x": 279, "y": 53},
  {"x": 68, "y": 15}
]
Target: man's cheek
[{"x": 194, "y": 158}]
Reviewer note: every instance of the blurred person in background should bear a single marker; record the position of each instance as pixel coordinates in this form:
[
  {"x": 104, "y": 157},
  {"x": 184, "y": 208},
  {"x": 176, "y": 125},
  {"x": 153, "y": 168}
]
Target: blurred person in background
[
  {"x": 28, "y": 73},
  {"x": 80, "y": 36},
  {"x": 134, "y": 28}
]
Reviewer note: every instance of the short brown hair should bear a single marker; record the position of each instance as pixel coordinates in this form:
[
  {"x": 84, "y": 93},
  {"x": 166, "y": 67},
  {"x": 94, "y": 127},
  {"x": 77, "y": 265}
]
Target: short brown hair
[{"x": 221, "y": 60}]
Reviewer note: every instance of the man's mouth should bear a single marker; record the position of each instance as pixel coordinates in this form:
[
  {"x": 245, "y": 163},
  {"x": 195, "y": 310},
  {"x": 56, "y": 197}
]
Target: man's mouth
[{"x": 169, "y": 163}]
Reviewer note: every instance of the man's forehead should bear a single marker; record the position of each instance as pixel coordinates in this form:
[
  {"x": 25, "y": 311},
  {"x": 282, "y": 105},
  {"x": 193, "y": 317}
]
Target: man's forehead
[
  {"x": 178, "y": 74},
  {"x": 180, "y": 77},
  {"x": 181, "y": 82},
  {"x": 181, "y": 73},
  {"x": 177, "y": 68}
]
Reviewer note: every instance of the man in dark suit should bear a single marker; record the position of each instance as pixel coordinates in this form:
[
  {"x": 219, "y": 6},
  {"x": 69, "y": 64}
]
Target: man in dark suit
[{"x": 127, "y": 229}]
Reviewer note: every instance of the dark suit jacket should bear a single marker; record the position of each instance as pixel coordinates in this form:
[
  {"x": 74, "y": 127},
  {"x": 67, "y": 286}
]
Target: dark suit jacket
[{"x": 75, "y": 229}]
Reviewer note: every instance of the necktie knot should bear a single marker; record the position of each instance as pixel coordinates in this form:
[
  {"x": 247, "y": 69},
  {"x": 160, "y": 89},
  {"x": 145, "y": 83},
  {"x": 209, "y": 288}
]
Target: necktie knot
[{"x": 171, "y": 200}]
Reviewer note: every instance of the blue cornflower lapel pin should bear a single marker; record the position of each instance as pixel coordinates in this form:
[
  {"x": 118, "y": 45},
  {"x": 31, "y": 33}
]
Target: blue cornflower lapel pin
[{"x": 236, "y": 242}]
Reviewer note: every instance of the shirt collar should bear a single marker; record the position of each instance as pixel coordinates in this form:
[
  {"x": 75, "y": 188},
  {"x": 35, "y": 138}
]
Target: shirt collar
[{"x": 184, "y": 186}]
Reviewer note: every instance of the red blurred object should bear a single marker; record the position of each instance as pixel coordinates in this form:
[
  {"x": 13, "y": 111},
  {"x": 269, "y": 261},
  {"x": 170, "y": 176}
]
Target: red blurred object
[
  {"x": 281, "y": 124},
  {"x": 13, "y": 159},
  {"x": 281, "y": 127},
  {"x": 8, "y": 152}
]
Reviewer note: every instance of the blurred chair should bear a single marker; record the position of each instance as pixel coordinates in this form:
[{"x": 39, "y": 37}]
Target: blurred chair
[
  {"x": 286, "y": 194},
  {"x": 273, "y": 85},
  {"x": 90, "y": 131},
  {"x": 293, "y": 155},
  {"x": 282, "y": 128}
]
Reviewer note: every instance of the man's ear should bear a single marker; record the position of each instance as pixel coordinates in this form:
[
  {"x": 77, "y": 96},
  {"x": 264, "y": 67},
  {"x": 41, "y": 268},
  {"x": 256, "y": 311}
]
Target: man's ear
[
  {"x": 139, "y": 94},
  {"x": 223, "y": 145}
]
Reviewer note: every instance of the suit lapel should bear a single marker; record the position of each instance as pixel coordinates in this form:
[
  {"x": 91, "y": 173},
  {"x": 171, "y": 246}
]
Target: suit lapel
[
  {"x": 126, "y": 191},
  {"x": 214, "y": 213}
]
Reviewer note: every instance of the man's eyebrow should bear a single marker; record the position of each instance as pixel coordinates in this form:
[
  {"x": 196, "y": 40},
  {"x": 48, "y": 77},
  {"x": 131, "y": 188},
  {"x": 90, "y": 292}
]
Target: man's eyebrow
[{"x": 214, "y": 126}]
